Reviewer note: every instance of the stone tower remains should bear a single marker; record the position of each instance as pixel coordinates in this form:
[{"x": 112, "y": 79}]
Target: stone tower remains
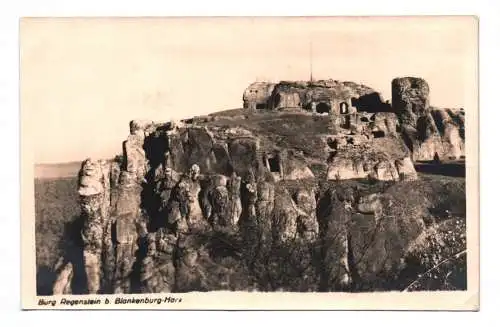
[{"x": 410, "y": 99}]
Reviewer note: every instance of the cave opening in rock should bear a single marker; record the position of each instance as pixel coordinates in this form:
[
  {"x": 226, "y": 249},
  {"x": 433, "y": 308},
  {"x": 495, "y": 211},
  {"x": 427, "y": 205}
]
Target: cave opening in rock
[
  {"x": 274, "y": 164},
  {"x": 377, "y": 134},
  {"x": 261, "y": 106},
  {"x": 371, "y": 102},
  {"x": 323, "y": 108},
  {"x": 365, "y": 120}
]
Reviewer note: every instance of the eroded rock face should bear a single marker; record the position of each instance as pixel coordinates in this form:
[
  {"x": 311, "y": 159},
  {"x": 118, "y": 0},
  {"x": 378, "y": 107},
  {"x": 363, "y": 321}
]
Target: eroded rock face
[
  {"x": 150, "y": 220},
  {"x": 294, "y": 215},
  {"x": 91, "y": 190},
  {"x": 235, "y": 207},
  {"x": 335, "y": 217},
  {"x": 220, "y": 206},
  {"x": 385, "y": 122},
  {"x": 257, "y": 95},
  {"x": 296, "y": 169},
  {"x": 308, "y": 227},
  {"x": 427, "y": 131},
  {"x": 135, "y": 156},
  {"x": 370, "y": 204},
  {"x": 190, "y": 272},
  {"x": 186, "y": 194},
  {"x": 90, "y": 179},
  {"x": 386, "y": 171},
  {"x": 127, "y": 218},
  {"x": 410, "y": 99},
  {"x": 141, "y": 127},
  {"x": 378, "y": 167},
  {"x": 406, "y": 170},
  {"x": 443, "y": 135},
  {"x": 157, "y": 269},
  {"x": 62, "y": 284}
]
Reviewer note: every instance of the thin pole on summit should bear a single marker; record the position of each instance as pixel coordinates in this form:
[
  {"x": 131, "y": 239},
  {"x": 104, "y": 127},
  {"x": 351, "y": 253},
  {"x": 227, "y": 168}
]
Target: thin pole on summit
[{"x": 310, "y": 62}]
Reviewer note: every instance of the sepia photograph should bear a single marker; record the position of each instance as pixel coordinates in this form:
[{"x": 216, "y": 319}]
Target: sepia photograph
[{"x": 250, "y": 162}]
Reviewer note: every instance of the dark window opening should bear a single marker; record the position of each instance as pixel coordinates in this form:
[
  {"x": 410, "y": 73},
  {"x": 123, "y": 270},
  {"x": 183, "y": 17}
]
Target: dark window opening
[
  {"x": 322, "y": 108},
  {"x": 371, "y": 102},
  {"x": 364, "y": 120},
  {"x": 114, "y": 239},
  {"x": 377, "y": 134},
  {"x": 344, "y": 108},
  {"x": 274, "y": 164}
]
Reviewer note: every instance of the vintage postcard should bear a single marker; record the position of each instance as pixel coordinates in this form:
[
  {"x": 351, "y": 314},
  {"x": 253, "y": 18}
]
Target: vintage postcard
[{"x": 250, "y": 163}]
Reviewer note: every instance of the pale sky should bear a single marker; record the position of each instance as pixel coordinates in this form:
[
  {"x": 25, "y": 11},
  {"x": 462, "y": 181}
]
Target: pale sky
[{"x": 83, "y": 80}]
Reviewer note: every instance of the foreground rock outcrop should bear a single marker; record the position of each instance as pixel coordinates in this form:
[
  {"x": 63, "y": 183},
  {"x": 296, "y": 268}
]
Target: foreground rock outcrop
[{"x": 259, "y": 202}]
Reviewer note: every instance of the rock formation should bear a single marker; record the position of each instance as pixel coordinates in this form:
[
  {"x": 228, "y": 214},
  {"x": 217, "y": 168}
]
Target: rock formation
[
  {"x": 427, "y": 131},
  {"x": 157, "y": 269},
  {"x": 202, "y": 206},
  {"x": 256, "y": 95},
  {"x": 62, "y": 284},
  {"x": 410, "y": 99}
]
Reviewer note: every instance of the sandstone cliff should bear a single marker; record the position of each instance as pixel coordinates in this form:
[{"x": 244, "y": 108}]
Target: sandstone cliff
[
  {"x": 268, "y": 201},
  {"x": 429, "y": 132}
]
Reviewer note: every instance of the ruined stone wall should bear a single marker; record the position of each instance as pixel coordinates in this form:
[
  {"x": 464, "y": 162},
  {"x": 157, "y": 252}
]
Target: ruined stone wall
[
  {"x": 308, "y": 95},
  {"x": 257, "y": 94}
]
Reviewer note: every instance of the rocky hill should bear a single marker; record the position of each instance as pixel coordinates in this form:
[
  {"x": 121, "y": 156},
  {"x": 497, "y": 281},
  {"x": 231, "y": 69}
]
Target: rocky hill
[{"x": 270, "y": 201}]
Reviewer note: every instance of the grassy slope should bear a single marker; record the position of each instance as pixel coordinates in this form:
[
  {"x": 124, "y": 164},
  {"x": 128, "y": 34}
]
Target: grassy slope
[
  {"x": 293, "y": 130},
  {"x": 56, "y": 208}
]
